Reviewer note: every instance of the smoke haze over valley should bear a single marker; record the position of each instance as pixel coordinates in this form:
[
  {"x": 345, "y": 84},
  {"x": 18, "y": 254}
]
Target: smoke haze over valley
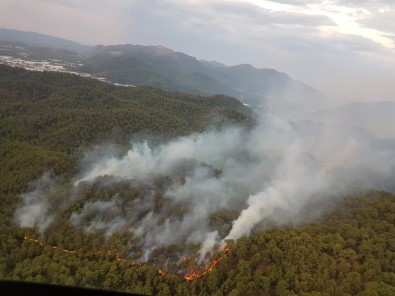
[
  {"x": 281, "y": 171},
  {"x": 236, "y": 147}
]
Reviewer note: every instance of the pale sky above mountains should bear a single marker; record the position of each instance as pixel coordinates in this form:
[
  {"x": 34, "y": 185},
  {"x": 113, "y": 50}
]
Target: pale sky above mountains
[{"x": 346, "y": 48}]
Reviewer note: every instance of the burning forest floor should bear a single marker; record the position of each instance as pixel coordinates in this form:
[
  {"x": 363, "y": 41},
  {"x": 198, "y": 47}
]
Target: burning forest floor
[
  {"x": 139, "y": 218},
  {"x": 193, "y": 272},
  {"x": 128, "y": 220},
  {"x": 350, "y": 251}
]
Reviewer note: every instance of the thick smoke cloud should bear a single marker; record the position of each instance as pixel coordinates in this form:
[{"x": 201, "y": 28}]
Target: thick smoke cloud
[{"x": 267, "y": 175}]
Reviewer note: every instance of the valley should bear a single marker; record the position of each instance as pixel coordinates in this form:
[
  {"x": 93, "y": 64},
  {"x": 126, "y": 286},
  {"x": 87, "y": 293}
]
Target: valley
[{"x": 119, "y": 176}]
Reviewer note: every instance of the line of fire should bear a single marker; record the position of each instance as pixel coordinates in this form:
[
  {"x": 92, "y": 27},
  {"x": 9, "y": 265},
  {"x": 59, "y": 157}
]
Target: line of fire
[{"x": 193, "y": 275}]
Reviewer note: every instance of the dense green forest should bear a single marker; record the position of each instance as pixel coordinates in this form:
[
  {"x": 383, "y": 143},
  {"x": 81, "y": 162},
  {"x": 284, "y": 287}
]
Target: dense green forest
[
  {"x": 351, "y": 252},
  {"x": 49, "y": 119}
]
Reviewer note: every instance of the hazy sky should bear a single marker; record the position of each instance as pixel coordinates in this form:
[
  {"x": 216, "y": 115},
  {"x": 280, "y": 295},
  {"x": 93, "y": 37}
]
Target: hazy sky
[{"x": 345, "y": 48}]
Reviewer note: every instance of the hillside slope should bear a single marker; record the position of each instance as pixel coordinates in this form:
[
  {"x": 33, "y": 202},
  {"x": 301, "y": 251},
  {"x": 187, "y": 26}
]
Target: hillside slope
[
  {"x": 351, "y": 252},
  {"x": 164, "y": 68},
  {"x": 46, "y": 117}
]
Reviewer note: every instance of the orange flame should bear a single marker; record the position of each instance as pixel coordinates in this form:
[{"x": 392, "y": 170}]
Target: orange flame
[
  {"x": 189, "y": 277},
  {"x": 199, "y": 273},
  {"x": 97, "y": 253},
  {"x": 41, "y": 243}
]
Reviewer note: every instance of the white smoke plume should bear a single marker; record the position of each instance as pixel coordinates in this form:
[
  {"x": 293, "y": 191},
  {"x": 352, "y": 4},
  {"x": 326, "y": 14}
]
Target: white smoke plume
[
  {"x": 269, "y": 173},
  {"x": 107, "y": 215},
  {"x": 34, "y": 210}
]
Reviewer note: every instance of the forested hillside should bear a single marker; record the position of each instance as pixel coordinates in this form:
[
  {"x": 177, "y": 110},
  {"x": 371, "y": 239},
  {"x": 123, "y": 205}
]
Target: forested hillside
[
  {"x": 350, "y": 253},
  {"x": 47, "y": 122},
  {"x": 47, "y": 117},
  {"x": 150, "y": 65}
]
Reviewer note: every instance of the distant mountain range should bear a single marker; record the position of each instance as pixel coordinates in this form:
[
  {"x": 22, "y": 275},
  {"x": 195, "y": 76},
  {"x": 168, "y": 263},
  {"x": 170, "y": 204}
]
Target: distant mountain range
[
  {"x": 164, "y": 68},
  {"x": 39, "y": 40}
]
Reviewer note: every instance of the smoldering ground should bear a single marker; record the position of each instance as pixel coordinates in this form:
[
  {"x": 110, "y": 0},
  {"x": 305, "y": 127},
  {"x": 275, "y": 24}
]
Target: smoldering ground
[{"x": 269, "y": 174}]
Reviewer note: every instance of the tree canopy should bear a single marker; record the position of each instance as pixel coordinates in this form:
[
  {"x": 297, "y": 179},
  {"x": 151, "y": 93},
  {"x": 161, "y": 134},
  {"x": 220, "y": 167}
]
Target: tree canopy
[{"x": 48, "y": 119}]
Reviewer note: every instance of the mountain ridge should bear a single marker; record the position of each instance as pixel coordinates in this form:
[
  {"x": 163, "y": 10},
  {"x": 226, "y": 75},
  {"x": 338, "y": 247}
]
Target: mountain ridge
[
  {"x": 161, "y": 67},
  {"x": 38, "y": 39}
]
